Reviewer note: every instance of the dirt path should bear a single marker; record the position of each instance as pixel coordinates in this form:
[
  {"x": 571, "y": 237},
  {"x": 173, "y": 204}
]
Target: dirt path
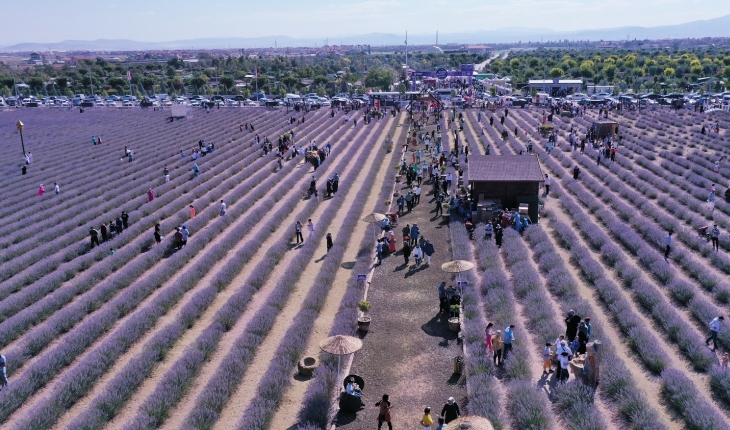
[
  {"x": 286, "y": 415},
  {"x": 418, "y": 372},
  {"x": 130, "y": 409},
  {"x": 238, "y": 403}
]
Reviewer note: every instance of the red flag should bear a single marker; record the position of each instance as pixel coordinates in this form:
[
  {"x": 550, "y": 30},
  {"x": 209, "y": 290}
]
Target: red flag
[
  {"x": 256, "y": 73},
  {"x": 129, "y": 75}
]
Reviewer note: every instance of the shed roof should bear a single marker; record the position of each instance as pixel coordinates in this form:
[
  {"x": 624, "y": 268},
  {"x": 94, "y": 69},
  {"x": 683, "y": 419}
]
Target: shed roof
[{"x": 505, "y": 168}]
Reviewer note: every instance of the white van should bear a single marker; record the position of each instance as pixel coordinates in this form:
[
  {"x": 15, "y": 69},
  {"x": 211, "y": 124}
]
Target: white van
[
  {"x": 293, "y": 98},
  {"x": 541, "y": 98}
]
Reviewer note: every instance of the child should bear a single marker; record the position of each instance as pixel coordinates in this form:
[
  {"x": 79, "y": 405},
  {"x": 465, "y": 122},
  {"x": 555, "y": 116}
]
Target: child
[
  {"x": 427, "y": 420},
  {"x": 547, "y": 356},
  {"x": 575, "y": 344},
  {"x": 111, "y": 252}
]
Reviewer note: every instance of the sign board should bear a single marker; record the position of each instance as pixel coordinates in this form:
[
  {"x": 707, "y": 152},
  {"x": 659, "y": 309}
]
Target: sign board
[
  {"x": 442, "y": 73},
  {"x": 467, "y": 67},
  {"x": 461, "y": 284},
  {"x": 362, "y": 277}
]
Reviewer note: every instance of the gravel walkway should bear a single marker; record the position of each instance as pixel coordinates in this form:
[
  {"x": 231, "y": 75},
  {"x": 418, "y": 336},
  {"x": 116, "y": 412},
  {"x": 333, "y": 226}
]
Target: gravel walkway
[{"x": 409, "y": 350}]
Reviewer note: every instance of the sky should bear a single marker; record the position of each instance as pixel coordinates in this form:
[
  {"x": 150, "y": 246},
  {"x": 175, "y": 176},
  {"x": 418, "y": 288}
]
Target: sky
[{"x": 165, "y": 20}]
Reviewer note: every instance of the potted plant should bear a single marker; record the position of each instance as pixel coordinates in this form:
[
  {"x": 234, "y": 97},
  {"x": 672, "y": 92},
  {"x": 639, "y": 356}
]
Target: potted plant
[
  {"x": 454, "y": 318},
  {"x": 387, "y": 203},
  {"x": 445, "y": 211},
  {"x": 363, "y": 323}
]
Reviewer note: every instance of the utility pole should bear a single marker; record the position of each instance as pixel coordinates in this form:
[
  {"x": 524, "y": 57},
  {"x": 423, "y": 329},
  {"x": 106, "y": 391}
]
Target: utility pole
[{"x": 21, "y": 127}]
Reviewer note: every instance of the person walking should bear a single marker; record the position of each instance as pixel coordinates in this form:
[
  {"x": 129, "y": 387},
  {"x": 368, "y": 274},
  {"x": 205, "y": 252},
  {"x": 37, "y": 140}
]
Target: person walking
[
  {"x": 547, "y": 358},
  {"x": 391, "y": 242},
  {"x": 3, "y": 372},
  {"x": 196, "y": 170},
  {"x": 564, "y": 359},
  {"x": 439, "y": 199},
  {"x": 150, "y": 195},
  {"x": 158, "y": 234},
  {"x": 489, "y": 336},
  {"x": 548, "y": 182},
  {"x": 298, "y": 232},
  {"x": 379, "y": 250},
  {"x": 668, "y": 242},
  {"x": 41, "y": 190},
  {"x": 418, "y": 255},
  {"x": 329, "y": 242},
  {"x": 715, "y": 326},
  {"x": 508, "y": 338},
  {"x": 401, "y": 204},
  {"x": 384, "y": 415},
  {"x": 94, "y": 237},
  {"x": 125, "y": 220},
  {"x": 450, "y": 411},
  {"x": 310, "y": 227},
  {"x": 406, "y": 251},
  {"x": 415, "y": 231},
  {"x": 576, "y": 172},
  {"x": 104, "y": 232},
  {"x": 428, "y": 250},
  {"x": 406, "y": 231},
  {"x": 192, "y": 211},
  {"x": 178, "y": 238},
  {"x": 427, "y": 420},
  {"x": 715, "y": 236},
  {"x": 417, "y": 195},
  {"x": 409, "y": 201},
  {"x": 498, "y": 345},
  {"x": 185, "y": 234},
  {"x": 56, "y": 188},
  {"x": 443, "y": 300},
  {"x": 498, "y": 236},
  {"x": 223, "y": 208}
]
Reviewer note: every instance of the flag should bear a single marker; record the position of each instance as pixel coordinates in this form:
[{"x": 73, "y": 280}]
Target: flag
[
  {"x": 129, "y": 75},
  {"x": 256, "y": 73}
]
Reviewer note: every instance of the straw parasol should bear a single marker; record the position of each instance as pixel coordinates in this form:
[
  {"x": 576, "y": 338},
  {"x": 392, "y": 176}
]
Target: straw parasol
[
  {"x": 457, "y": 266},
  {"x": 472, "y": 422},
  {"x": 340, "y": 345},
  {"x": 373, "y": 218}
]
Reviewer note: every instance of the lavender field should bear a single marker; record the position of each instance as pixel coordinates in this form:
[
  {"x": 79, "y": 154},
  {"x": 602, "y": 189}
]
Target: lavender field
[
  {"x": 209, "y": 336},
  {"x": 95, "y": 340}
]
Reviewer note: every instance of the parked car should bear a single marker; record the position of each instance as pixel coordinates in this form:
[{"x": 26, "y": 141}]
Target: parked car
[{"x": 127, "y": 103}]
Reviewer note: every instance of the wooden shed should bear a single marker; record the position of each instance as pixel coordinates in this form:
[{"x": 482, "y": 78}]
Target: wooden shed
[
  {"x": 605, "y": 127},
  {"x": 506, "y": 179}
]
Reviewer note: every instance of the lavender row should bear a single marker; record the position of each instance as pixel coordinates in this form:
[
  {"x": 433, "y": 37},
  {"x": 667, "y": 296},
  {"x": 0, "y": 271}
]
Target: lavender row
[
  {"x": 501, "y": 310},
  {"x": 680, "y": 392},
  {"x": 317, "y": 406},
  {"x": 176, "y": 381}
]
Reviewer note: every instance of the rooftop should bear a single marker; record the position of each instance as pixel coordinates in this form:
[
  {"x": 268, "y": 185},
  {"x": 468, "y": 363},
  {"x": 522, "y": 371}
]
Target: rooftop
[
  {"x": 555, "y": 81},
  {"x": 505, "y": 168}
]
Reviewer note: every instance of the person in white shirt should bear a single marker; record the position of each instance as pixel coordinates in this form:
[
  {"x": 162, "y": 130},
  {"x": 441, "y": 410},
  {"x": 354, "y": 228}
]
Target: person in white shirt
[
  {"x": 563, "y": 372},
  {"x": 56, "y": 188},
  {"x": 548, "y": 182},
  {"x": 417, "y": 195},
  {"x": 547, "y": 357},
  {"x": 418, "y": 255},
  {"x": 715, "y": 326},
  {"x": 310, "y": 227}
]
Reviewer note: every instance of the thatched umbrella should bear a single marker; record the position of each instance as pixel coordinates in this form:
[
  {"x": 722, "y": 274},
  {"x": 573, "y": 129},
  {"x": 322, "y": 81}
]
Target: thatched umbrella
[
  {"x": 457, "y": 266},
  {"x": 373, "y": 218},
  {"x": 472, "y": 422},
  {"x": 340, "y": 345}
]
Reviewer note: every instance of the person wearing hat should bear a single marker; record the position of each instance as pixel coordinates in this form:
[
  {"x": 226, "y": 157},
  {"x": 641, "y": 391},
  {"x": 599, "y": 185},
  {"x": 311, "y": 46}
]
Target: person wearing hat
[
  {"x": 450, "y": 411},
  {"x": 497, "y": 345},
  {"x": 185, "y": 234}
]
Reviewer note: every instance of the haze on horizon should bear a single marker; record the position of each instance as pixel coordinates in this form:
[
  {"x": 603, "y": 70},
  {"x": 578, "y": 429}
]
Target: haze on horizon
[{"x": 47, "y": 21}]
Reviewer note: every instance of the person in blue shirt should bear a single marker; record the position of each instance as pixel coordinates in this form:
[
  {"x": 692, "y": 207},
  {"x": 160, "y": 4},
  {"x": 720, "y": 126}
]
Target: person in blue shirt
[{"x": 508, "y": 338}]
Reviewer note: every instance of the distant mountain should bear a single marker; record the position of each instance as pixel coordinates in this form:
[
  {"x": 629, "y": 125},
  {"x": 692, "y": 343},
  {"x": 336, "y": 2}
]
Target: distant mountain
[{"x": 716, "y": 27}]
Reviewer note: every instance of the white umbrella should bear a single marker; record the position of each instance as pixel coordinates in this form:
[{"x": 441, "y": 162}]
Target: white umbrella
[
  {"x": 457, "y": 266},
  {"x": 373, "y": 218}
]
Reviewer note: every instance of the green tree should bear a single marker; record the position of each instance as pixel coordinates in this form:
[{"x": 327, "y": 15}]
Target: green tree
[
  {"x": 669, "y": 72},
  {"x": 36, "y": 83},
  {"x": 227, "y": 82},
  {"x": 320, "y": 80},
  {"x": 609, "y": 70},
  {"x": 380, "y": 77},
  {"x": 556, "y": 72},
  {"x": 587, "y": 68},
  {"x": 199, "y": 81}
]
